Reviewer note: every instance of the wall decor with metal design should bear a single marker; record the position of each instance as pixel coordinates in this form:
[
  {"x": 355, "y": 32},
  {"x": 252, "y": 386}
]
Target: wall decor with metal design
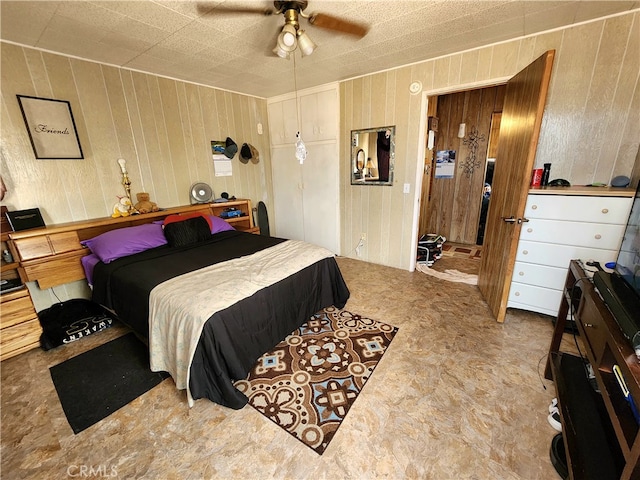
[{"x": 471, "y": 162}]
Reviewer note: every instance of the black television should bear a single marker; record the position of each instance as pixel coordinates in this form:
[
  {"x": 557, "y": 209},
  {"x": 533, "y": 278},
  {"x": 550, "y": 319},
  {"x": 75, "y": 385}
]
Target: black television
[{"x": 620, "y": 289}]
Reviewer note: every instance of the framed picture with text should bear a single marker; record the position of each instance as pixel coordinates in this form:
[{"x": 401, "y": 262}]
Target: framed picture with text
[{"x": 51, "y": 128}]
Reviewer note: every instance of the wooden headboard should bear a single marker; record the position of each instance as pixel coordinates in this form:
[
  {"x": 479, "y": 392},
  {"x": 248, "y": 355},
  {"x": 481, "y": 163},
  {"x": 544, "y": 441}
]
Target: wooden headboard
[{"x": 51, "y": 255}]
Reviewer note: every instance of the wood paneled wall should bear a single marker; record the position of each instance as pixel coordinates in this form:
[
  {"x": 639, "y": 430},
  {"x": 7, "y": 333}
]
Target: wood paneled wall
[
  {"x": 589, "y": 133},
  {"x": 161, "y": 127},
  {"x": 454, "y": 206}
]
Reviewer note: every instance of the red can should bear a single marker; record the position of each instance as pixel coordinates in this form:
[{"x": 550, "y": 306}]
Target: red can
[{"x": 536, "y": 177}]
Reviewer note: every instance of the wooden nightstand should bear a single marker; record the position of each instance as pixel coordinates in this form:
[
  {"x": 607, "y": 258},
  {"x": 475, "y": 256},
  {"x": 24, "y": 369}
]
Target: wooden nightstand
[{"x": 19, "y": 325}]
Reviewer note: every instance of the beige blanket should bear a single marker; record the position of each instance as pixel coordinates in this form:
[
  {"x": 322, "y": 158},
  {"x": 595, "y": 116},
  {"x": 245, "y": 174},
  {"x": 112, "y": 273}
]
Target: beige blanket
[{"x": 179, "y": 308}]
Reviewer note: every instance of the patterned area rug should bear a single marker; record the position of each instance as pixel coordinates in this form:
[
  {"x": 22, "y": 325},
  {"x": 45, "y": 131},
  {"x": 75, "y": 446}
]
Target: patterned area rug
[
  {"x": 466, "y": 251},
  {"x": 309, "y": 381}
]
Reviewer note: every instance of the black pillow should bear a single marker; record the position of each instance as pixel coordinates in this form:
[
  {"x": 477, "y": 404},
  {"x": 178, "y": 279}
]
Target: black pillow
[{"x": 187, "y": 232}]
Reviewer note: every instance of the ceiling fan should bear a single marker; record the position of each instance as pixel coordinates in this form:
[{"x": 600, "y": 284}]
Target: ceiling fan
[{"x": 292, "y": 35}]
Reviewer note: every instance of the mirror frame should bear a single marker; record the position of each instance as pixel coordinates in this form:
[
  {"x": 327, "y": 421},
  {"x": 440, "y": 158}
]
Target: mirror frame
[{"x": 360, "y": 146}]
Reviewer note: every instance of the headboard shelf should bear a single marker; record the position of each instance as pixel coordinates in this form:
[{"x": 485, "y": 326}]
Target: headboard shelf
[
  {"x": 90, "y": 228},
  {"x": 51, "y": 255}
]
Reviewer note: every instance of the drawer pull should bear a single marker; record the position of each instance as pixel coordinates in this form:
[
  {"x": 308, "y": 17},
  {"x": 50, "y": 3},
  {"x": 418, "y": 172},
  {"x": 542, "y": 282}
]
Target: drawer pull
[
  {"x": 529, "y": 230},
  {"x": 525, "y": 252},
  {"x": 534, "y": 207},
  {"x": 605, "y": 210},
  {"x": 589, "y": 325},
  {"x": 517, "y": 294},
  {"x": 598, "y": 236},
  {"x": 521, "y": 274}
]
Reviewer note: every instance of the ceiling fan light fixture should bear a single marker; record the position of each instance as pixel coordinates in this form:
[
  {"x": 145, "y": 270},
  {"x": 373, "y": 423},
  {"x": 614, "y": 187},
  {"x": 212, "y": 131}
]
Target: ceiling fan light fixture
[
  {"x": 305, "y": 43},
  {"x": 281, "y": 53},
  {"x": 287, "y": 38}
]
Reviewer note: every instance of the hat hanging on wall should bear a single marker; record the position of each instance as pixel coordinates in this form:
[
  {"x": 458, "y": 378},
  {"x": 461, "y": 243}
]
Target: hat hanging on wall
[
  {"x": 255, "y": 155},
  {"x": 230, "y": 148},
  {"x": 249, "y": 152}
]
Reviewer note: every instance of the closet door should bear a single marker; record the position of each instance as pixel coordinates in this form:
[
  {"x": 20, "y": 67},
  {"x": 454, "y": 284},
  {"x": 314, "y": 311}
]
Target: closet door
[
  {"x": 282, "y": 122},
  {"x": 287, "y": 193},
  {"x": 318, "y": 111},
  {"x": 320, "y": 195},
  {"x": 306, "y": 197}
]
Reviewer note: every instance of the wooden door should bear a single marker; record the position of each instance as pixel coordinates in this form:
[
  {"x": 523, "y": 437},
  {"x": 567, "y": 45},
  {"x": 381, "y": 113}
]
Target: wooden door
[
  {"x": 427, "y": 178},
  {"x": 519, "y": 131}
]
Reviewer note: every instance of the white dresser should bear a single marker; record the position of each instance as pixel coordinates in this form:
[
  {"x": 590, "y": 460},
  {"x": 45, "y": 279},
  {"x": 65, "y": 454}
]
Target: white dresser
[{"x": 564, "y": 224}]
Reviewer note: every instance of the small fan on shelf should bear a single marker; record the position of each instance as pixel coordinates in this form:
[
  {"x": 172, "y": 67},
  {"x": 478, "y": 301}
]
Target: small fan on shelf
[{"x": 200, "y": 193}]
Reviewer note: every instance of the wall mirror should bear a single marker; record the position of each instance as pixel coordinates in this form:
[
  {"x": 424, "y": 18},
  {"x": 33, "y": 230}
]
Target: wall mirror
[{"x": 372, "y": 156}]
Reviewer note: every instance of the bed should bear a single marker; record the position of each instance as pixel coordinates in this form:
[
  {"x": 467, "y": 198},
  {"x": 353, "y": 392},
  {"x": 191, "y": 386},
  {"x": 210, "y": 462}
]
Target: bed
[{"x": 210, "y": 308}]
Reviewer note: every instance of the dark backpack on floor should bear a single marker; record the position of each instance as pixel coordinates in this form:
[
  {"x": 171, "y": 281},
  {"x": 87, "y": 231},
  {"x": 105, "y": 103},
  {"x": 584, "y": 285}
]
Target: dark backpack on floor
[{"x": 71, "y": 320}]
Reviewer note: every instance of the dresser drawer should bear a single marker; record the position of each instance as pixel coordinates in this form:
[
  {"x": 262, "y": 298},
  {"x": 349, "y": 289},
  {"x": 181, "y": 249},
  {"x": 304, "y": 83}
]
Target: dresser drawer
[
  {"x": 20, "y": 338},
  {"x": 17, "y": 311},
  {"x": 56, "y": 271},
  {"x": 539, "y": 275},
  {"x": 66, "y": 242},
  {"x": 532, "y": 295},
  {"x": 33, "y": 247},
  {"x": 555, "y": 255},
  {"x": 593, "y": 235},
  {"x": 30, "y": 248},
  {"x": 611, "y": 210}
]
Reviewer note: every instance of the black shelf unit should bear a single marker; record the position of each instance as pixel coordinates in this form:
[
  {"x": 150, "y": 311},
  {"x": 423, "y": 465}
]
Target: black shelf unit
[{"x": 600, "y": 433}]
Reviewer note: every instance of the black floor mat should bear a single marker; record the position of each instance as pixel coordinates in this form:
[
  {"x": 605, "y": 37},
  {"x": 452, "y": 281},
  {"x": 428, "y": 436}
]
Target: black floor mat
[{"x": 93, "y": 385}]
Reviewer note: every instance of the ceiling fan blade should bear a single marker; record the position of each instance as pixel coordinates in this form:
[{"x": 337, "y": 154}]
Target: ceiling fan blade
[
  {"x": 208, "y": 9},
  {"x": 330, "y": 22}
]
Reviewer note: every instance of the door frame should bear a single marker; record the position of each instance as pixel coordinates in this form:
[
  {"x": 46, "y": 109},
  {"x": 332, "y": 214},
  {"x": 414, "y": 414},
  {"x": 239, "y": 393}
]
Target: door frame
[{"x": 422, "y": 146}]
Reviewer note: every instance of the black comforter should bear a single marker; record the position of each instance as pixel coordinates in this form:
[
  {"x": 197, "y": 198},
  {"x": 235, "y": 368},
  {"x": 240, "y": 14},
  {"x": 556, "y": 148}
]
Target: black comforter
[{"x": 234, "y": 338}]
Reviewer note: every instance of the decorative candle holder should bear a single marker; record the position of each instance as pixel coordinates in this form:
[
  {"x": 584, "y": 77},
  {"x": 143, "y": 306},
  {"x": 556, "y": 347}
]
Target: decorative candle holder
[{"x": 126, "y": 183}]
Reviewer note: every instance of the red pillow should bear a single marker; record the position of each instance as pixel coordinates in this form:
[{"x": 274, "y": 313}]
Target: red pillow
[{"x": 177, "y": 217}]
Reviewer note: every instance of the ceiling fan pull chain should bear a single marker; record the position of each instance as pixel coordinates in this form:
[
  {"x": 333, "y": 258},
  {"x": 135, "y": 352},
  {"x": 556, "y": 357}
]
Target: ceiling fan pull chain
[{"x": 301, "y": 149}]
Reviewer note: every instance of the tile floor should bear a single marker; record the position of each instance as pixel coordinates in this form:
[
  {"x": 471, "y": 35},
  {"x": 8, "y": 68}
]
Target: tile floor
[{"x": 457, "y": 396}]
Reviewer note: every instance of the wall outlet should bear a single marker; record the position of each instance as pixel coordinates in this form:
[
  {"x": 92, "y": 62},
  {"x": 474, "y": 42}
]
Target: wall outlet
[{"x": 407, "y": 188}]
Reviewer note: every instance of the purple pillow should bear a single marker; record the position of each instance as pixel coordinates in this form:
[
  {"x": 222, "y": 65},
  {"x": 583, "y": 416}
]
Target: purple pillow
[
  {"x": 88, "y": 263},
  {"x": 219, "y": 225},
  {"x": 121, "y": 242}
]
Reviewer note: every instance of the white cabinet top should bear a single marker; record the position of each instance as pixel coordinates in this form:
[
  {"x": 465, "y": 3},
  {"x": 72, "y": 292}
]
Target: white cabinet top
[{"x": 584, "y": 191}]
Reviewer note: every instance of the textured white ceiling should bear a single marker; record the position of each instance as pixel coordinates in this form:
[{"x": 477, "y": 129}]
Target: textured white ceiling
[{"x": 234, "y": 51}]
